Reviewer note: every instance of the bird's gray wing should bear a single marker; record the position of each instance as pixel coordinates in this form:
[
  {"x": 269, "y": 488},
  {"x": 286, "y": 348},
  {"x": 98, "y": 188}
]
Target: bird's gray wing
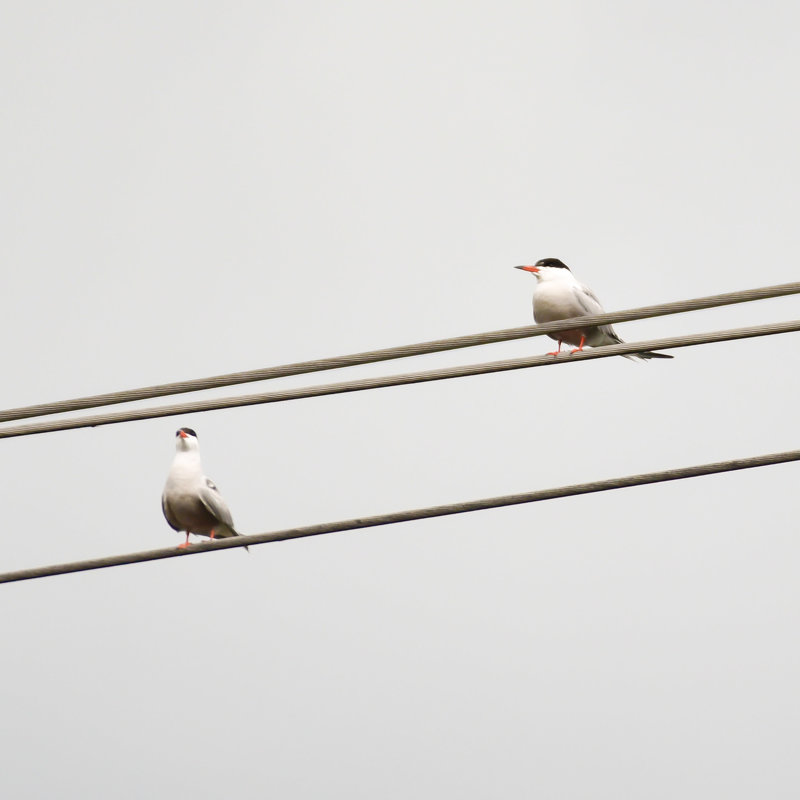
[
  {"x": 587, "y": 300},
  {"x": 212, "y": 500},
  {"x": 590, "y": 305},
  {"x": 168, "y": 515}
]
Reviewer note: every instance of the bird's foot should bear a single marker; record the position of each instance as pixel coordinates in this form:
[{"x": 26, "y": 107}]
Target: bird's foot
[
  {"x": 554, "y": 353},
  {"x": 183, "y": 546},
  {"x": 579, "y": 348}
]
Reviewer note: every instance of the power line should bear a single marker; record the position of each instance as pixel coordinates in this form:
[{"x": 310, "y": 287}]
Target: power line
[
  {"x": 197, "y": 406},
  {"x": 408, "y": 516},
  {"x": 404, "y": 351}
]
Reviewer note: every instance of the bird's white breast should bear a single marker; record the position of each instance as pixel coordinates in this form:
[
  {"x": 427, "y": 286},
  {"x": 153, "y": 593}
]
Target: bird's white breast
[
  {"x": 554, "y": 300},
  {"x": 185, "y": 475}
]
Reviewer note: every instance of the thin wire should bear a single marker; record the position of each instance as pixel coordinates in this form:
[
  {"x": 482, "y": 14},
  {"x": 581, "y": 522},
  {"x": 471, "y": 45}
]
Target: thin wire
[
  {"x": 372, "y": 356},
  {"x": 408, "y": 516},
  {"x": 197, "y": 406}
]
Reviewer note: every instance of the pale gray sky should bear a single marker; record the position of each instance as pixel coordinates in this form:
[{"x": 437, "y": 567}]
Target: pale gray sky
[{"x": 195, "y": 189}]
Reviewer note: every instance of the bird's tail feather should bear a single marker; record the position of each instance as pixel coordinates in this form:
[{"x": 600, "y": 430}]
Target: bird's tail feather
[
  {"x": 223, "y": 531},
  {"x": 645, "y": 356},
  {"x": 610, "y": 332}
]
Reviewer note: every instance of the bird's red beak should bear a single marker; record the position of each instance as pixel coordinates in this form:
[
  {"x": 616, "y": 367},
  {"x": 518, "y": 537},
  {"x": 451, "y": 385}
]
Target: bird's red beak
[
  {"x": 183, "y": 435},
  {"x": 528, "y": 269}
]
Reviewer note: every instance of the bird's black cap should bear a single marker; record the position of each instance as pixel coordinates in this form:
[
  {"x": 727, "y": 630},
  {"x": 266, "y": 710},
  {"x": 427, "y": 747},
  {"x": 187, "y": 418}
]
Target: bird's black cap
[
  {"x": 186, "y": 430},
  {"x": 552, "y": 262}
]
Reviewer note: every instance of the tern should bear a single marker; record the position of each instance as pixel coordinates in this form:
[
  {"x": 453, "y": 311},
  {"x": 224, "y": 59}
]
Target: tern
[
  {"x": 190, "y": 501},
  {"x": 559, "y": 295}
]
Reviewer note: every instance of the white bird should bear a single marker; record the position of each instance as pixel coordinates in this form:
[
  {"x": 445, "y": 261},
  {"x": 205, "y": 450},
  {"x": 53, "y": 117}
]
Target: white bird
[
  {"x": 190, "y": 501},
  {"x": 559, "y": 295}
]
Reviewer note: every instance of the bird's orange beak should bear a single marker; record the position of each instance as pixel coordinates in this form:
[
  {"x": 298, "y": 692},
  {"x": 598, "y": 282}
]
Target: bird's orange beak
[
  {"x": 528, "y": 269},
  {"x": 183, "y": 435}
]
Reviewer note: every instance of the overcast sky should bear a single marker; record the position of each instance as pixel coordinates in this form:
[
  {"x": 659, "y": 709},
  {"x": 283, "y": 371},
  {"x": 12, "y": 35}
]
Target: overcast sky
[{"x": 194, "y": 189}]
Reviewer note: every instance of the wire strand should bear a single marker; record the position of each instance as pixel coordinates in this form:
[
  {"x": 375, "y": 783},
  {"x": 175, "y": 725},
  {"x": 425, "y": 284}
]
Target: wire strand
[
  {"x": 363, "y": 384},
  {"x": 359, "y": 523},
  {"x": 372, "y": 356}
]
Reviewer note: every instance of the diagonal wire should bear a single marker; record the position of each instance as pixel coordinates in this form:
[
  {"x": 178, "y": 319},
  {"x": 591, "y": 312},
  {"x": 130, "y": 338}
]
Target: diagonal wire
[
  {"x": 404, "y": 351},
  {"x": 358, "y": 523},
  {"x": 197, "y": 406}
]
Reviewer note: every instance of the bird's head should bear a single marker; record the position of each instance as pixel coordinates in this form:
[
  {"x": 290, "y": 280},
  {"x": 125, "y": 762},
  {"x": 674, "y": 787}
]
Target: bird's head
[
  {"x": 547, "y": 268},
  {"x": 185, "y": 439}
]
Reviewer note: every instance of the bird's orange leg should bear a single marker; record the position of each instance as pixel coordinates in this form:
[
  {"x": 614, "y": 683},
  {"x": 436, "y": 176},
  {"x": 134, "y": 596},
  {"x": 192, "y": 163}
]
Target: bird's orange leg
[
  {"x": 212, "y": 533},
  {"x": 579, "y": 348},
  {"x": 186, "y": 543},
  {"x": 556, "y": 352}
]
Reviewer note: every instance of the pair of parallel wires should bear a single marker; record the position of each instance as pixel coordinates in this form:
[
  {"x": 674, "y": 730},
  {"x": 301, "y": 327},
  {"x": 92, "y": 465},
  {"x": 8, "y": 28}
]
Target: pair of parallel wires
[{"x": 440, "y": 345}]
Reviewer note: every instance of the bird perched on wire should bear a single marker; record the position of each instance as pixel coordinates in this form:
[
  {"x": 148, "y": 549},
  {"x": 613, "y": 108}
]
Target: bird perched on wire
[
  {"x": 559, "y": 295},
  {"x": 190, "y": 501}
]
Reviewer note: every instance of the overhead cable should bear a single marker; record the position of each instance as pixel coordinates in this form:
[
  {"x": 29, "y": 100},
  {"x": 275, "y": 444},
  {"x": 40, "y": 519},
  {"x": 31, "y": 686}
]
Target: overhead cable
[
  {"x": 362, "y": 384},
  {"x": 404, "y": 351},
  {"x": 358, "y": 523}
]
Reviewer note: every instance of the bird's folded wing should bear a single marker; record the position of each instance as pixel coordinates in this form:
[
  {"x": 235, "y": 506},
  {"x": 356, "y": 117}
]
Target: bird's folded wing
[
  {"x": 590, "y": 305},
  {"x": 587, "y": 300},
  {"x": 212, "y": 500},
  {"x": 173, "y": 523}
]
